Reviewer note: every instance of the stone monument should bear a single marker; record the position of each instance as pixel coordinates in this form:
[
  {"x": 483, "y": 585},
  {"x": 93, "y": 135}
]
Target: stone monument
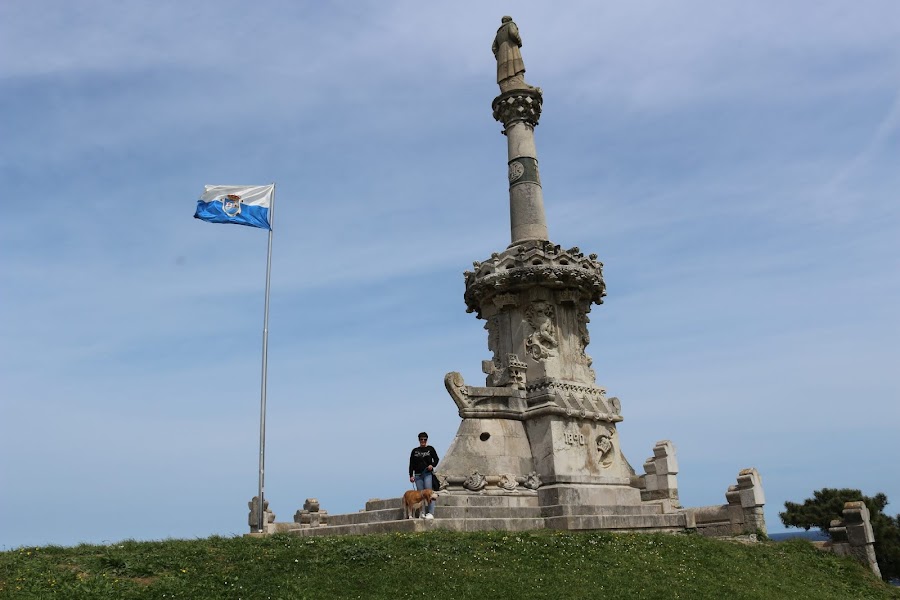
[
  {"x": 540, "y": 421},
  {"x": 538, "y": 444}
]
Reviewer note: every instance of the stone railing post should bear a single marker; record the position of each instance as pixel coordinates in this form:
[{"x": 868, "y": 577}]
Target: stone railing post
[
  {"x": 853, "y": 535},
  {"x": 746, "y": 501},
  {"x": 659, "y": 483},
  {"x": 253, "y": 518}
]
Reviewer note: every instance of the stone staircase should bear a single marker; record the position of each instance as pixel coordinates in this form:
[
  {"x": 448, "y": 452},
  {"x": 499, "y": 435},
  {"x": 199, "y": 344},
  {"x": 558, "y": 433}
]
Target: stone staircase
[{"x": 508, "y": 512}]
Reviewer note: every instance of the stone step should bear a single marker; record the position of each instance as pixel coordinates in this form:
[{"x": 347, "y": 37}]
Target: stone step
[
  {"x": 633, "y": 522},
  {"x": 493, "y": 524},
  {"x": 420, "y": 525},
  {"x": 668, "y": 522},
  {"x": 562, "y": 510},
  {"x": 366, "y": 516},
  {"x": 446, "y": 499},
  {"x": 441, "y": 511},
  {"x": 487, "y": 512},
  {"x": 401, "y": 526}
]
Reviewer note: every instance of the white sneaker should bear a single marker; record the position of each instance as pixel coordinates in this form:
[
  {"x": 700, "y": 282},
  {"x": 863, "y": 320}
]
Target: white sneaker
[{"x": 429, "y": 516}]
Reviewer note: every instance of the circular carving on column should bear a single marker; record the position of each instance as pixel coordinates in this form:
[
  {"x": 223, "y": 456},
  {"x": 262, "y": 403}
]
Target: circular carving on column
[{"x": 516, "y": 170}]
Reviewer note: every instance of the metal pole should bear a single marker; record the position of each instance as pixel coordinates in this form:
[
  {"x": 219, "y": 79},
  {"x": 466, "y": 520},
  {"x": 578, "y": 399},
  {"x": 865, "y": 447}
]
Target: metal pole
[{"x": 262, "y": 395}]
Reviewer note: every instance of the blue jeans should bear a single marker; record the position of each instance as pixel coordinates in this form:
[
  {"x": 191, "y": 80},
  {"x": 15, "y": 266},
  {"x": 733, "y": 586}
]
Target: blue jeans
[{"x": 423, "y": 481}]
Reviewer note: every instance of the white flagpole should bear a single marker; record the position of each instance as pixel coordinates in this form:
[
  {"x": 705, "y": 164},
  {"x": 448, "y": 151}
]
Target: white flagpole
[{"x": 262, "y": 394}]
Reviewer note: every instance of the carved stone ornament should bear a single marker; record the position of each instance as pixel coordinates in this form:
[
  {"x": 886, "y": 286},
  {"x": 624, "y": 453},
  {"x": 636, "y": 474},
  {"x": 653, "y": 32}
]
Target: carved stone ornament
[
  {"x": 534, "y": 264},
  {"x": 503, "y": 300},
  {"x": 475, "y": 482},
  {"x": 516, "y": 170},
  {"x": 508, "y": 482},
  {"x": 541, "y": 344},
  {"x": 605, "y": 449},
  {"x": 516, "y": 372},
  {"x": 457, "y": 388},
  {"x": 615, "y": 405},
  {"x": 518, "y": 105},
  {"x": 532, "y": 481}
]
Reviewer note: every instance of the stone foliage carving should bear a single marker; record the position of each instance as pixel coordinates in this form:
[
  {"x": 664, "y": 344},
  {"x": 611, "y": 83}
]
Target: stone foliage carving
[
  {"x": 575, "y": 276},
  {"x": 475, "y": 482},
  {"x": 541, "y": 344},
  {"x": 532, "y": 481},
  {"x": 508, "y": 482}
]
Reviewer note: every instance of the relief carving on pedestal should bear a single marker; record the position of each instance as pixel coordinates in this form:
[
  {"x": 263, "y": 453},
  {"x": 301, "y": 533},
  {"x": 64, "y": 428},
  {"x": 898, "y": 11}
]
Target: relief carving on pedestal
[
  {"x": 475, "y": 482},
  {"x": 541, "y": 344},
  {"x": 532, "y": 481},
  {"x": 516, "y": 370},
  {"x": 605, "y": 448},
  {"x": 508, "y": 482}
]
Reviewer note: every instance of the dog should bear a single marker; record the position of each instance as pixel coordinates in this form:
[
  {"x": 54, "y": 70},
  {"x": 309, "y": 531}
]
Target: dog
[{"x": 414, "y": 500}]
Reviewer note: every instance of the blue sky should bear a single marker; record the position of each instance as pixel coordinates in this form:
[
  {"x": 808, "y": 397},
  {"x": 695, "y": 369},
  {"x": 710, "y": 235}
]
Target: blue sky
[{"x": 734, "y": 165}]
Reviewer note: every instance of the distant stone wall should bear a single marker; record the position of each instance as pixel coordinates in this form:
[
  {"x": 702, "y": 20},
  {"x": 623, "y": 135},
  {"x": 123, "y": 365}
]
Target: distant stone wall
[{"x": 742, "y": 514}]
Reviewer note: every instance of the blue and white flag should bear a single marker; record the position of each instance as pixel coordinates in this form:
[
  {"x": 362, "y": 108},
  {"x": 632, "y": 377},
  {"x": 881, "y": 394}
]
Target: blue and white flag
[{"x": 238, "y": 204}]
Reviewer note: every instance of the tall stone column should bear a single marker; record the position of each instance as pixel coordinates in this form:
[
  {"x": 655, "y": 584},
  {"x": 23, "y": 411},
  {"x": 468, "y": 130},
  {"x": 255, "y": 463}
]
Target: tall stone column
[{"x": 519, "y": 110}]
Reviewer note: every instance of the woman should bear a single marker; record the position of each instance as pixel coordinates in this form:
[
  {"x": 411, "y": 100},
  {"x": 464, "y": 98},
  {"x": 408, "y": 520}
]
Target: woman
[{"x": 422, "y": 461}]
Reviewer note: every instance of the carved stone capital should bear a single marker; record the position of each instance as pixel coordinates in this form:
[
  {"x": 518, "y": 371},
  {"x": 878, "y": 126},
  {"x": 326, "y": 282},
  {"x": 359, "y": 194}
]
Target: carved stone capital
[
  {"x": 518, "y": 105},
  {"x": 576, "y": 277}
]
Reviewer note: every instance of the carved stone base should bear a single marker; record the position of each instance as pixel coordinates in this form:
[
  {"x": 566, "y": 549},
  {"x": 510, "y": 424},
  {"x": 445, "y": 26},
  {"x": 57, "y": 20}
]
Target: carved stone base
[
  {"x": 573, "y": 450},
  {"x": 489, "y": 447}
]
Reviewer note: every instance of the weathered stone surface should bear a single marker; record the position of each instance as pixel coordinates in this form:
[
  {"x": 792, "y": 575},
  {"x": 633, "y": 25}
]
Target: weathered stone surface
[
  {"x": 253, "y": 517},
  {"x": 853, "y": 536}
]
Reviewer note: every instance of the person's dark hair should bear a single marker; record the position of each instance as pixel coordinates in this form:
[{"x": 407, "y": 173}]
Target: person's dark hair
[{"x": 423, "y": 435}]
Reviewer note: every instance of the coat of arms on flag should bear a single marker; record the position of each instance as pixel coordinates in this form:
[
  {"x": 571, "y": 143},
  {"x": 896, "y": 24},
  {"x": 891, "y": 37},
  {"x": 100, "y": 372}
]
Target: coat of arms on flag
[
  {"x": 231, "y": 205},
  {"x": 238, "y": 204}
]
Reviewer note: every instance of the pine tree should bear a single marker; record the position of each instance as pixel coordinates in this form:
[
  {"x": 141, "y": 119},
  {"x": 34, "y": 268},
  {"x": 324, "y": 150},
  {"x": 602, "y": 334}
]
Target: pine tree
[{"x": 827, "y": 504}]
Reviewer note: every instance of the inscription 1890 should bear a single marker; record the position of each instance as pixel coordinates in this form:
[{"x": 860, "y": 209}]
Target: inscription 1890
[{"x": 574, "y": 438}]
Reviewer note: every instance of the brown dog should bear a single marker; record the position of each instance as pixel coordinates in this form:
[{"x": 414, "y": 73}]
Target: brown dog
[{"x": 414, "y": 500}]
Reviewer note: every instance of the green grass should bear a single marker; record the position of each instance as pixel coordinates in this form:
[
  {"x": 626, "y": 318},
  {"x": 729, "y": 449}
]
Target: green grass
[{"x": 439, "y": 565}]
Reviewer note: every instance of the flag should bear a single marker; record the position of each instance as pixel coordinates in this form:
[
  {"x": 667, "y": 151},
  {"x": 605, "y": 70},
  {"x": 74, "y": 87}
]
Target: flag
[{"x": 238, "y": 204}]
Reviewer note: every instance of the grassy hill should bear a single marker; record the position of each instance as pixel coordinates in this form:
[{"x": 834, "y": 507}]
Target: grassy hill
[{"x": 440, "y": 565}]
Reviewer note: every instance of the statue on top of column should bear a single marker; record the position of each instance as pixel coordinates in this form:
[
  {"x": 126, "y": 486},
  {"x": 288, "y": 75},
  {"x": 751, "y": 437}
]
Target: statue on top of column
[{"x": 510, "y": 66}]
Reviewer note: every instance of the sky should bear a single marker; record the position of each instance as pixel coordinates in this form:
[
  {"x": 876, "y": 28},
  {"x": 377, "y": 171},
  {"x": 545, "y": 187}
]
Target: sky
[{"x": 734, "y": 165}]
